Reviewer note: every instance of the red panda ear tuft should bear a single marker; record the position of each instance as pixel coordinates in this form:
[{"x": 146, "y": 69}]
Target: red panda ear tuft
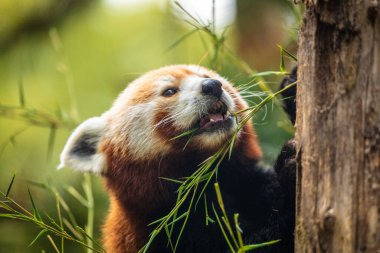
[{"x": 81, "y": 151}]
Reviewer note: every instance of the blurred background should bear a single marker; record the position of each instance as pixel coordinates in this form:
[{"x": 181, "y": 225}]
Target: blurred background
[{"x": 62, "y": 61}]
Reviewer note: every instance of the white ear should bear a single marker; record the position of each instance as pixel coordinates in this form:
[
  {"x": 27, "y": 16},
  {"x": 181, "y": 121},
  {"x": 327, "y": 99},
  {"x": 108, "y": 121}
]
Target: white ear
[{"x": 81, "y": 150}]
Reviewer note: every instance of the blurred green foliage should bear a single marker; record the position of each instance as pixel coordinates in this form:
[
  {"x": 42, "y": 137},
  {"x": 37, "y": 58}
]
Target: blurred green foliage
[
  {"x": 74, "y": 69},
  {"x": 24, "y": 17}
]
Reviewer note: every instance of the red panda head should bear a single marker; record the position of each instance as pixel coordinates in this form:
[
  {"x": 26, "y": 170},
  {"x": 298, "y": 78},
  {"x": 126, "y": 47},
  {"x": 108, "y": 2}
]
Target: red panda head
[{"x": 153, "y": 110}]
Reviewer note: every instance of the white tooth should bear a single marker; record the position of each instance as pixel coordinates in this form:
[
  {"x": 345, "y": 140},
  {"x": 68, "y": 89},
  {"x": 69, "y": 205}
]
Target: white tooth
[{"x": 211, "y": 120}]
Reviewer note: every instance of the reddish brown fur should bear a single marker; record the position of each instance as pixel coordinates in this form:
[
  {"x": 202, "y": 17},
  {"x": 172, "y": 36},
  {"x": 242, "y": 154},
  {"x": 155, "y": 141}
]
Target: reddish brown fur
[{"x": 166, "y": 131}]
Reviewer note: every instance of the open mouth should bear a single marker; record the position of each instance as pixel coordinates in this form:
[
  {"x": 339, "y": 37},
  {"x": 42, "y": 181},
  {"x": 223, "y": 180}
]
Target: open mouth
[{"x": 217, "y": 116}]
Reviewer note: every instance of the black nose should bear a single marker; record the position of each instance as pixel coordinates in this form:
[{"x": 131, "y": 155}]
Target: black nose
[{"x": 212, "y": 87}]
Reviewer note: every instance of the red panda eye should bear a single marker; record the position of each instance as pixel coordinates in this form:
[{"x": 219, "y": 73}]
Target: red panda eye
[{"x": 169, "y": 92}]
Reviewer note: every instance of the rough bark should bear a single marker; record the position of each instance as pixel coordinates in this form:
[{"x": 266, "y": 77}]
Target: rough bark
[{"x": 338, "y": 127}]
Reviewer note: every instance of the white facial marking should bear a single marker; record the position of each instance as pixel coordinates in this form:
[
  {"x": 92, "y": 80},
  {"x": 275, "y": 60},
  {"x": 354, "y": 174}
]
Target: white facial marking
[
  {"x": 189, "y": 105},
  {"x": 134, "y": 125},
  {"x": 165, "y": 80},
  {"x": 208, "y": 140}
]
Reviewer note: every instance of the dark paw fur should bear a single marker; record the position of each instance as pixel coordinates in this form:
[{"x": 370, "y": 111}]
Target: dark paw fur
[
  {"x": 285, "y": 166},
  {"x": 290, "y": 95}
]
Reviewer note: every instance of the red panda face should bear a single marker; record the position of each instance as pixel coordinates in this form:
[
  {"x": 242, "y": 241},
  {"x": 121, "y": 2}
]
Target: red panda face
[
  {"x": 196, "y": 101},
  {"x": 167, "y": 102},
  {"x": 153, "y": 110}
]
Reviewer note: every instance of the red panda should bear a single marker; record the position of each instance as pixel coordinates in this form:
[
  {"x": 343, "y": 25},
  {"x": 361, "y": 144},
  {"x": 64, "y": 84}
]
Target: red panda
[{"x": 133, "y": 147}]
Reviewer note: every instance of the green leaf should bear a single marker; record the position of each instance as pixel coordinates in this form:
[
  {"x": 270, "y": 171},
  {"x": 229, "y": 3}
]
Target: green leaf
[
  {"x": 52, "y": 221},
  {"x": 282, "y": 63},
  {"x": 188, "y": 13},
  {"x": 210, "y": 220},
  {"x": 77, "y": 195},
  {"x": 168, "y": 235},
  {"x": 35, "y": 210},
  {"x": 239, "y": 233},
  {"x": 178, "y": 218},
  {"x": 269, "y": 73},
  {"x": 172, "y": 180},
  {"x": 14, "y": 216},
  {"x": 260, "y": 245},
  {"x": 184, "y": 134},
  {"x": 53, "y": 243},
  {"x": 157, "y": 221},
  {"x": 186, "y": 219},
  {"x": 232, "y": 144},
  {"x": 42, "y": 232},
  {"x": 88, "y": 237},
  {"x": 151, "y": 238},
  {"x": 222, "y": 230},
  {"x": 292, "y": 56},
  {"x": 10, "y": 185}
]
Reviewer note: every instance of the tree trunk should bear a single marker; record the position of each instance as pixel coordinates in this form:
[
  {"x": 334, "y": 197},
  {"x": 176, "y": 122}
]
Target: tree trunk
[{"x": 338, "y": 127}]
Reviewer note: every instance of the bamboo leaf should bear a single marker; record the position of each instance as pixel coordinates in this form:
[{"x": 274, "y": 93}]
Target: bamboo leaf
[
  {"x": 89, "y": 238},
  {"x": 151, "y": 238},
  {"x": 168, "y": 235},
  {"x": 35, "y": 210},
  {"x": 186, "y": 219},
  {"x": 222, "y": 229},
  {"x": 260, "y": 245},
  {"x": 14, "y": 216},
  {"x": 210, "y": 220},
  {"x": 269, "y": 73},
  {"x": 282, "y": 63},
  {"x": 157, "y": 221},
  {"x": 178, "y": 218},
  {"x": 187, "y": 13},
  {"x": 10, "y": 185},
  {"x": 52, "y": 221},
  {"x": 172, "y": 180},
  {"x": 232, "y": 144},
  {"x": 72, "y": 229},
  {"x": 219, "y": 197},
  {"x": 53, "y": 244},
  {"x": 42, "y": 232},
  {"x": 225, "y": 217},
  {"x": 77, "y": 195},
  {"x": 239, "y": 233},
  {"x": 292, "y": 56},
  {"x": 184, "y": 134}
]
